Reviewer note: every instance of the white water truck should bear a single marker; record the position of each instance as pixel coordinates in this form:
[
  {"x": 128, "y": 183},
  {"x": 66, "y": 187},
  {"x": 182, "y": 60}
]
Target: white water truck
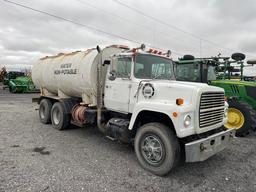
[{"x": 132, "y": 96}]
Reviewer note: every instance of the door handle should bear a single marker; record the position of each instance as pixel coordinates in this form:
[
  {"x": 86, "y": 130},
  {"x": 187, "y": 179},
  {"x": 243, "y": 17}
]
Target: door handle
[{"x": 108, "y": 86}]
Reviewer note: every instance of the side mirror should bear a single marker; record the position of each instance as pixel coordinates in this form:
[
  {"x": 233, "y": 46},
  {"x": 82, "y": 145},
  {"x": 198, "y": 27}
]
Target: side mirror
[
  {"x": 106, "y": 62},
  {"x": 112, "y": 75}
]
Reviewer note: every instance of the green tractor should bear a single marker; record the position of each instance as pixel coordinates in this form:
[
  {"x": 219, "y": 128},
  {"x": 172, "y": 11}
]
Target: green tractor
[
  {"x": 22, "y": 85},
  {"x": 12, "y": 75},
  {"x": 223, "y": 72},
  {"x": 18, "y": 82}
]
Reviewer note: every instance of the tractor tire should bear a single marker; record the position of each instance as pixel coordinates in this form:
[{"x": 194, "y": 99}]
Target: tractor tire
[
  {"x": 45, "y": 111},
  {"x": 157, "y": 148},
  {"x": 240, "y": 117},
  {"x": 60, "y": 119},
  {"x": 12, "y": 89},
  {"x": 253, "y": 115}
]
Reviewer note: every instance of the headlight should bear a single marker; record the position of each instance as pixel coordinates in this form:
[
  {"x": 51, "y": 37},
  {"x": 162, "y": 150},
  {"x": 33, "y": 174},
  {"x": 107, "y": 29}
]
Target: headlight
[
  {"x": 187, "y": 121},
  {"x": 225, "y": 112}
]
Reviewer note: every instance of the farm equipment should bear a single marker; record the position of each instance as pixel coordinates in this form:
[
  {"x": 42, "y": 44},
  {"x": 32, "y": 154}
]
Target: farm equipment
[
  {"x": 12, "y": 75},
  {"x": 18, "y": 82},
  {"x": 251, "y": 78},
  {"x": 22, "y": 85},
  {"x": 223, "y": 72}
]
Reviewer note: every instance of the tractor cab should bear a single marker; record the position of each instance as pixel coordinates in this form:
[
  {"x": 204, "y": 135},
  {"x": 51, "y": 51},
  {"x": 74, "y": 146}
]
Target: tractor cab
[{"x": 209, "y": 69}]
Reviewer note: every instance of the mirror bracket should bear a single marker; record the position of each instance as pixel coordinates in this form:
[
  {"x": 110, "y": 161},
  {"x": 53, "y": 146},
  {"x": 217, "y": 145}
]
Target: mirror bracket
[
  {"x": 112, "y": 75},
  {"x": 106, "y": 62}
]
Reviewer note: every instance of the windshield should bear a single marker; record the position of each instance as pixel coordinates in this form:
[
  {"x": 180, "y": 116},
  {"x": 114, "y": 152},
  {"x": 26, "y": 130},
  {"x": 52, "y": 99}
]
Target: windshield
[
  {"x": 211, "y": 75},
  {"x": 152, "y": 67},
  {"x": 188, "y": 72}
]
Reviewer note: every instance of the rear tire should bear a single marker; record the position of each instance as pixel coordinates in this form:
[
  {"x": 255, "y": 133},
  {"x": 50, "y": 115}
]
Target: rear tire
[
  {"x": 45, "y": 111},
  {"x": 60, "y": 119},
  {"x": 240, "y": 117},
  {"x": 157, "y": 148}
]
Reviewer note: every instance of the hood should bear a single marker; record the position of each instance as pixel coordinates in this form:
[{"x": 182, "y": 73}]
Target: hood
[{"x": 168, "y": 91}]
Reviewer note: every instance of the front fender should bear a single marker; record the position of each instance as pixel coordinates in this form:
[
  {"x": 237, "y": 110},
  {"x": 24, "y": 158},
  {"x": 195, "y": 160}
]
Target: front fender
[{"x": 167, "y": 109}]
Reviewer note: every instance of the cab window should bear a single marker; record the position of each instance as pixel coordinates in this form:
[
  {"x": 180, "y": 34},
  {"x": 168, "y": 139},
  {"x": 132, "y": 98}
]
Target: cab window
[{"x": 123, "y": 67}]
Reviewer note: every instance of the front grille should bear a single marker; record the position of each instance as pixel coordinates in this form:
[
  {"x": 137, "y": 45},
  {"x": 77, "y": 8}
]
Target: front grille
[{"x": 211, "y": 109}]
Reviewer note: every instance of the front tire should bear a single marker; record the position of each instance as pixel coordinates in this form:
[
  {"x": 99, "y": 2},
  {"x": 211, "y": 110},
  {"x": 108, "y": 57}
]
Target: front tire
[
  {"x": 157, "y": 148},
  {"x": 60, "y": 119}
]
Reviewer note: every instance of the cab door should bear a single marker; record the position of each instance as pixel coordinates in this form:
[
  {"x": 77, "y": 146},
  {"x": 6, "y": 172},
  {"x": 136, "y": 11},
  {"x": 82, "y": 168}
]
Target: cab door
[{"x": 117, "y": 89}]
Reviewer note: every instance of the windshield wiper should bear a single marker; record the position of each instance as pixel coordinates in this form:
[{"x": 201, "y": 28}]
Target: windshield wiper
[{"x": 156, "y": 76}]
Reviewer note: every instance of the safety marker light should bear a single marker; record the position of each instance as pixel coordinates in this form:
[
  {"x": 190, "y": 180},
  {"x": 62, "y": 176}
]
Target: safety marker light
[
  {"x": 180, "y": 101},
  {"x": 175, "y": 114}
]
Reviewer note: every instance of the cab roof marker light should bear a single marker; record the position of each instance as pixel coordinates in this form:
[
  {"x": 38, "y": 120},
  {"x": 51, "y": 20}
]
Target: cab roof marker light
[
  {"x": 150, "y": 50},
  {"x": 155, "y": 51},
  {"x": 134, "y": 50}
]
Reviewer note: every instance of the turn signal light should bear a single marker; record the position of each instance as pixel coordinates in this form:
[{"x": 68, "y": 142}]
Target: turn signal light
[{"x": 179, "y": 101}]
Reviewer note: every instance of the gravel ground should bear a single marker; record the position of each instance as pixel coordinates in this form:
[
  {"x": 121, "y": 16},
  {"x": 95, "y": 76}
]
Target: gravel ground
[{"x": 35, "y": 157}]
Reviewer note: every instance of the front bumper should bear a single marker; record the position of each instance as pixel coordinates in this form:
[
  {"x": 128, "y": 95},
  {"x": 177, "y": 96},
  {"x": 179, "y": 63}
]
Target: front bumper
[{"x": 202, "y": 149}]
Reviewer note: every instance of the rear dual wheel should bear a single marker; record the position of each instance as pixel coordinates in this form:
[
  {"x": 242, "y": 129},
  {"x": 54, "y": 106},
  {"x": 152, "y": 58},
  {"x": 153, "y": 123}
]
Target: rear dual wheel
[
  {"x": 54, "y": 113},
  {"x": 45, "y": 111},
  {"x": 60, "y": 119}
]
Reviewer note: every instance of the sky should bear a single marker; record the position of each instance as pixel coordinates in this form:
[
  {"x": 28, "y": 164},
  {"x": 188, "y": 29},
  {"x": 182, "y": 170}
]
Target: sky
[{"x": 197, "y": 27}]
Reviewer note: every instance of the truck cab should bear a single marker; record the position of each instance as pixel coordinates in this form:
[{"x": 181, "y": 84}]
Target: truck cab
[{"x": 142, "y": 86}]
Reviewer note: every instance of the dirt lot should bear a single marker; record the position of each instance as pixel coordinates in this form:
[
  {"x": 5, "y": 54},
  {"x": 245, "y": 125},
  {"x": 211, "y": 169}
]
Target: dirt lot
[{"x": 35, "y": 157}]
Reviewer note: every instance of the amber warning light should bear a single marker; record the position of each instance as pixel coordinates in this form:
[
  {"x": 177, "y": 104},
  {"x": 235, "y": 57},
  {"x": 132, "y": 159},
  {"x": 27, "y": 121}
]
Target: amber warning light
[{"x": 180, "y": 101}]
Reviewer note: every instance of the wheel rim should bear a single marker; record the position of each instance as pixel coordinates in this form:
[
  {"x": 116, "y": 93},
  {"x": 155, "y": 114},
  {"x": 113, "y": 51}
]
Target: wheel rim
[
  {"x": 42, "y": 112},
  {"x": 235, "y": 119},
  {"x": 56, "y": 116},
  {"x": 152, "y": 149}
]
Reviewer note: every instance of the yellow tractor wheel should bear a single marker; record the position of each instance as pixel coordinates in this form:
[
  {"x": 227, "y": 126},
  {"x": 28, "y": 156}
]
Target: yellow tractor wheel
[
  {"x": 235, "y": 119},
  {"x": 240, "y": 117}
]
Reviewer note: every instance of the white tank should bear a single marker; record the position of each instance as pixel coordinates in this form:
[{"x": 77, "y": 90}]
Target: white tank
[{"x": 72, "y": 74}]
